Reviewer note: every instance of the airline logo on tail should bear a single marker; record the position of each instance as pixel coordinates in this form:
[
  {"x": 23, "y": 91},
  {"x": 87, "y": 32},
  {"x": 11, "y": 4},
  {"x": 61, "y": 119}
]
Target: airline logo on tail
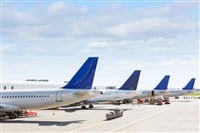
[
  {"x": 83, "y": 78},
  {"x": 132, "y": 82}
]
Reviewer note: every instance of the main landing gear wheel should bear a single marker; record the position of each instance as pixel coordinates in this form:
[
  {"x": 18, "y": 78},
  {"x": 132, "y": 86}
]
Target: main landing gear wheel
[
  {"x": 91, "y": 106},
  {"x": 12, "y": 115},
  {"x": 83, "y": 107}
]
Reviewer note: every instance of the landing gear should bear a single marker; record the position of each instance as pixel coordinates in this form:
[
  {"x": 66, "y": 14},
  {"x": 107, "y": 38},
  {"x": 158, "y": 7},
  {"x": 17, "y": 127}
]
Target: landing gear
[
  {"x": 91, "y": 106},
  {"x": 125, "y": 101},
  {"x": 84, "y": 106},
  {"x": 12, "y": 115}
]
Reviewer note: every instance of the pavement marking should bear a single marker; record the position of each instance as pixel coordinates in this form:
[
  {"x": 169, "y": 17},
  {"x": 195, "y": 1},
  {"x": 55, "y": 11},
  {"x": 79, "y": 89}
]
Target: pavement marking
[
  {"x": 135, "y": 122},
  {"x": 92, "y": 125}
]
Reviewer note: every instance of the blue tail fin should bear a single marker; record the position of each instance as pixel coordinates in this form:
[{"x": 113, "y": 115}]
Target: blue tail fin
[
  {"x": 83, "y": 78},
  {"x": 132, "y": 82},
  {"x": 163, "y": 85},
  {"x": 190, "y": 85}
]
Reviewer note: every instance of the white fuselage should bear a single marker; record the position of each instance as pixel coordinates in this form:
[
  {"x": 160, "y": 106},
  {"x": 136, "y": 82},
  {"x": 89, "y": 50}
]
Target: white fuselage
[
  {"x": 165, "y": 93},
  {"x": 113, "y": 95},
  {"x": 176, "y": 93},
  {"x": 41, "y": 98},
  {"x": 148, "y": 93}
]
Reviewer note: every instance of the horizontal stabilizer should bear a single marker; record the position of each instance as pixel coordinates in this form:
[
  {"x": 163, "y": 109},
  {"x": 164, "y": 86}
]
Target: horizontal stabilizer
[
  {"x": 163, "y": 85},
  {"x": 190, "y": 85},
  {"x": 132, "y": 82},
  {"x": 83, "y": 79}
]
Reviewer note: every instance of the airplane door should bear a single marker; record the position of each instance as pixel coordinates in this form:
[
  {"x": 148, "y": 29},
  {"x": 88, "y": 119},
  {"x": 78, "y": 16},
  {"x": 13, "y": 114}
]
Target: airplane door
[{"x": 59, "y": 96}]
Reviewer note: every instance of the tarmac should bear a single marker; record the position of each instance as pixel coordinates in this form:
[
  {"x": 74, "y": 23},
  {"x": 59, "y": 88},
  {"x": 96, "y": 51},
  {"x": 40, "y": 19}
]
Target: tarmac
[{"x": 179, "y": 116}]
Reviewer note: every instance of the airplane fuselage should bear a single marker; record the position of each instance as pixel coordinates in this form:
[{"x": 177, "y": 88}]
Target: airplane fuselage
[
  {"x": 40, "y": 99},
  {"x": 113, "y": 95},
  {"x": 176, "y": 93},
  {"x": 148, "y": 93}
]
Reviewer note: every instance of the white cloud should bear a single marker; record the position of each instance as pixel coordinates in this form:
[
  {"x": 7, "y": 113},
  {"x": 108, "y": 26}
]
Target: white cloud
[
  {"x": 59, "y": 8},
  {"x": 158, "y": 26},
  {"x": 99, "y": 44},
  {"x": 124, "y": 37},
  {"x": 180, "y": 62},
  {"x": 59, "y": 19},
  {"x": 85, "y": 51},
  {"x": 176, "y": 9},
  {"x": 8, "y": 47}
]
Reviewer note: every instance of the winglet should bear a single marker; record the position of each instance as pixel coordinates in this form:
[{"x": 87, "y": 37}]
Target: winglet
[
  {"x": 189, "y": 85},
  {"x": 132, "y": 82},
  {"x": 163, "y": 85},
  {"x": 83, "y": 78}
]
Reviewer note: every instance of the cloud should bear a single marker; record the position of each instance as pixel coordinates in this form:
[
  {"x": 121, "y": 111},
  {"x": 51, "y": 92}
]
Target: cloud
[
  {"x": 154, "y": 37},
  {"x": 58, "y": 8},
  {"x": 61, "y": 20},
  {"x": 180, "y": 62},
  {"x": 175, "y": 9},
  {"x": 7, "y": 47},
  {"x": 159, "y": 27}
]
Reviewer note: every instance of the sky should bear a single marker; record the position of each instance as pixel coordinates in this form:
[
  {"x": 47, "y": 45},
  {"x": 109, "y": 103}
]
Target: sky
[{"x": 52, "y": 39}]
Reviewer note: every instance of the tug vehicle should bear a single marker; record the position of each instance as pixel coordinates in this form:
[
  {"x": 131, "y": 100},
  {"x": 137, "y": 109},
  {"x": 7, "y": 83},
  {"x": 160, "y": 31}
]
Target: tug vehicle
[{"x": 114, "y": 114}]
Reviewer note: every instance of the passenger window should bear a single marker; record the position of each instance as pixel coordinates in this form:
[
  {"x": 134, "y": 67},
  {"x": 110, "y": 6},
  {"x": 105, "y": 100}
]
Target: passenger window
[
  {"x": 4, "y": 87},
  {"x": 12, "y": 87}
]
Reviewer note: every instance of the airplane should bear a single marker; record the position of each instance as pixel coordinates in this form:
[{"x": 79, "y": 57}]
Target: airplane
[
  {"x": 189, "y": 88},
  {"x": 160, "y": 89},
  {"x": 13, "y": 102},
  {"x": 126, "y": 91}
]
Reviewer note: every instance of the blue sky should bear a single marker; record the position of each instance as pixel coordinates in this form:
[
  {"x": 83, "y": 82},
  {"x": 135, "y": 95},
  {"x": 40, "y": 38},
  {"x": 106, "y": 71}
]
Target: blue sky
[{"x": 52, "y": 39}]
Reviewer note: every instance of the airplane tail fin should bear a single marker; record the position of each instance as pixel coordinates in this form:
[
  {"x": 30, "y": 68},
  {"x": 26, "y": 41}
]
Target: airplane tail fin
[
  {"x": 83, "y": 78},
  {"x": 163, "y": 85},
  {"x": 132, "y": 82},
  {"x": 189, "y": 85}
]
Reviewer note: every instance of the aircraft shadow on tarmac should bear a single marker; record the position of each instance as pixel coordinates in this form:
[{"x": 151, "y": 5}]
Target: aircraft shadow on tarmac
[
  {"x": 71, "y": 109},
  {"x": 43, "y": 123},
  {"x": 95, "y": 108}
]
